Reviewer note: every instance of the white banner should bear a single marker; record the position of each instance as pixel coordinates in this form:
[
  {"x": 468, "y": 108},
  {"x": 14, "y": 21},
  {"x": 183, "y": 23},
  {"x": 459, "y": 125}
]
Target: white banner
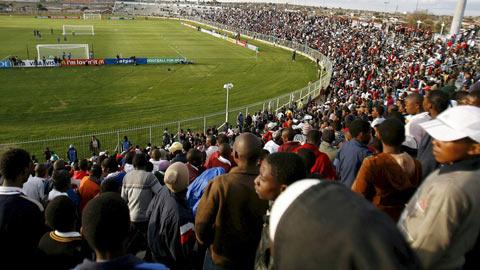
[{"x": 35, "y": 63}]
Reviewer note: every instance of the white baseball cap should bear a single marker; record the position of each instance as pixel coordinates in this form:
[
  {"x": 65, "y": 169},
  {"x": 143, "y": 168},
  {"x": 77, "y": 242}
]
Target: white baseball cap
[{"x": 455, "y": 123}]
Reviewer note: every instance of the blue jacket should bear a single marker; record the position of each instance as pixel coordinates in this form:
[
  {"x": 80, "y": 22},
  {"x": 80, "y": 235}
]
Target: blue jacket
[
  {"x": 348, "y": 161},
  {"x": 72, "y": 154},
  {"x": 196, "y": 188},
  {"x": 170, "y": 235}
]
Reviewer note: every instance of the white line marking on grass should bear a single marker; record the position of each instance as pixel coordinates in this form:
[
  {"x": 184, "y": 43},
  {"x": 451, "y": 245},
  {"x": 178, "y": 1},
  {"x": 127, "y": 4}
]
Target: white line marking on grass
[{"x": 177, "y": 52}]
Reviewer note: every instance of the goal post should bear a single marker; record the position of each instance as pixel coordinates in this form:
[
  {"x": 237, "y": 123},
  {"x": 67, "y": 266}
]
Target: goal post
[
  {"x": 92, "y": 16},
  {"x": 78, "y": 30},
  {"x": 74, "y": 51}
]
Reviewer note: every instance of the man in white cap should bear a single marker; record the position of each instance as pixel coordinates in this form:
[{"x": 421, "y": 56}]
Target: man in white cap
[
  {"x": 171, "y": 237},
  {"x": 442, "y": 220},
  {"x": 176, "y": 150}
]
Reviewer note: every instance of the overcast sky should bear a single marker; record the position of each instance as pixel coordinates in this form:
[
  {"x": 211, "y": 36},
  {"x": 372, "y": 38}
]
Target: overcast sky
[{"x": 440, "y": 7}]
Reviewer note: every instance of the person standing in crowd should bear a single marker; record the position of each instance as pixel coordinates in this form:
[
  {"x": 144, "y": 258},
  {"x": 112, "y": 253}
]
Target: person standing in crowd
[
  {"x": 64, "y": 245},
  {"x": 289, "y": 145},
  {"x": 240, "y": 120},
  {"x": 138, "y": 189},
  {"x": 176, "y": 150},
  {"x": 196, "y": 188},
  {"x": 194, "y": 164},
  {"x": 340, "y": 230},
  {"x": 413, "y": 132},
  {"x": 229, "y": 215},
  {"x": 21, "y": 218},
  {"x": 352, "y": 153},
  {"x": 111, "y": 174},
  {"x": 377, "y": 115},
  {"x": 435, "y": 102},
  {"x": 82, "y": 170},
  {"x": 62, "y": 186},
  {"x": 106, "y": 226},
  {"x": 126, "y": 144},
  {"x": 442, "y": 220},
  {"x": 390, "y": 178},
  {"x": 225, "y": 152},
  {"x": 211, "y": 144},
  {"x": 328, "y": 137},
  {"x": 90, "y": 186},
  {"x": 94, "y": 146},
  {"x": 277, "y": 171},
  {"x": 36, "y": 186},
  {"x": 72, "y": 154},
  {"x": 171, "y": 236},
  {"x": 322, "y": 166},
  {"x": 272, "y": 145}
]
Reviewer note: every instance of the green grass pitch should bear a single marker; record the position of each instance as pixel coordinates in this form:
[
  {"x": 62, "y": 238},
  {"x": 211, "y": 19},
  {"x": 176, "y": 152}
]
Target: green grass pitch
[{"x": 45, "y": 102}]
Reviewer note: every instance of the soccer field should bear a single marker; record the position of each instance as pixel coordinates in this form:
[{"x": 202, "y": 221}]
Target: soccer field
[{"x": 45, "y": 102}]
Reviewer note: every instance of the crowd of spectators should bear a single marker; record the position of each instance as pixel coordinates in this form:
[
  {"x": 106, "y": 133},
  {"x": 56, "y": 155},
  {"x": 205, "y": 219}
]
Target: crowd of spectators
[{"x": 380, "y": 173}]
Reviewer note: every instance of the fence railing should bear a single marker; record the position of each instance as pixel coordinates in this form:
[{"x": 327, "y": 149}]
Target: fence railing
[{"x": 111, "y": 140}]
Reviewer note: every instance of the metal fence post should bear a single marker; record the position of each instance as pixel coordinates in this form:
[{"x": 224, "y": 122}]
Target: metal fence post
[
  {"x": 150, "y": 131},
  {"x": 246, "y": 111},
  {"x": 178, "y": 127},
  {"x": 118, "y": 140},
  {"x": 204, "y": 124},
  {"x": 278, "y": 102}
]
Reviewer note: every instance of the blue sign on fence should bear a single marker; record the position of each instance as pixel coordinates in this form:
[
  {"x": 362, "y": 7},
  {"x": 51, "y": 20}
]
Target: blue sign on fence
[
  {"x": 8, "y": 64},
  {"x": 125, "y": 61}
]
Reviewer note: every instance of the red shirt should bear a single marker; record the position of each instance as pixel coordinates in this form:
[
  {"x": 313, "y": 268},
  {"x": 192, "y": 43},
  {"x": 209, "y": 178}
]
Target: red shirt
[
  {"x": 217, "y": 163},
  {"x": 80, "y": 174},
  {"x": 214, "y": 156},
  {"x": 289, "y": 147},
  {"x": 323, "y": 166}
]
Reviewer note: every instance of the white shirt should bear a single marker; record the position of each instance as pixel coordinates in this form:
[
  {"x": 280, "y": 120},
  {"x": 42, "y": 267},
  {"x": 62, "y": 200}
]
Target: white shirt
[
  {"x": 413, "y": 131},
  {"x": 128, "y": 167},
  {"x": 271, "y": 147},
  {"x": 377, "y": 121},
  {"x": 55, "y": 193},
  {"x": 34, "y": 188}
]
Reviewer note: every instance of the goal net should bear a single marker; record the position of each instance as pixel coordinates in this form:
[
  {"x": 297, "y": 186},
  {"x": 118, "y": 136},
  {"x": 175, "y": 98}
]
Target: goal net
[
  {"x": 73, "y": 51},
  {"x": 92, "y": 16},
  {"x": 78, "y": 30}
]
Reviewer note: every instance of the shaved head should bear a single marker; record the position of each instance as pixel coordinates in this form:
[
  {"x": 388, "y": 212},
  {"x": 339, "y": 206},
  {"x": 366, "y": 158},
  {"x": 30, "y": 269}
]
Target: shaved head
[{"x": 247, "y": 148}]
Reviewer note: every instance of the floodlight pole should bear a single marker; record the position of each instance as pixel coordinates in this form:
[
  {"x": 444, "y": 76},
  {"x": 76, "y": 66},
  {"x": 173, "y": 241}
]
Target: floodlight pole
[{"x": 227, "y": 87}]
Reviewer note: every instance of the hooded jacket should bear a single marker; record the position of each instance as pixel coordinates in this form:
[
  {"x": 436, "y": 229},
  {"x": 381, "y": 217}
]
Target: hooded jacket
[{"x": 388, "y": 184}]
